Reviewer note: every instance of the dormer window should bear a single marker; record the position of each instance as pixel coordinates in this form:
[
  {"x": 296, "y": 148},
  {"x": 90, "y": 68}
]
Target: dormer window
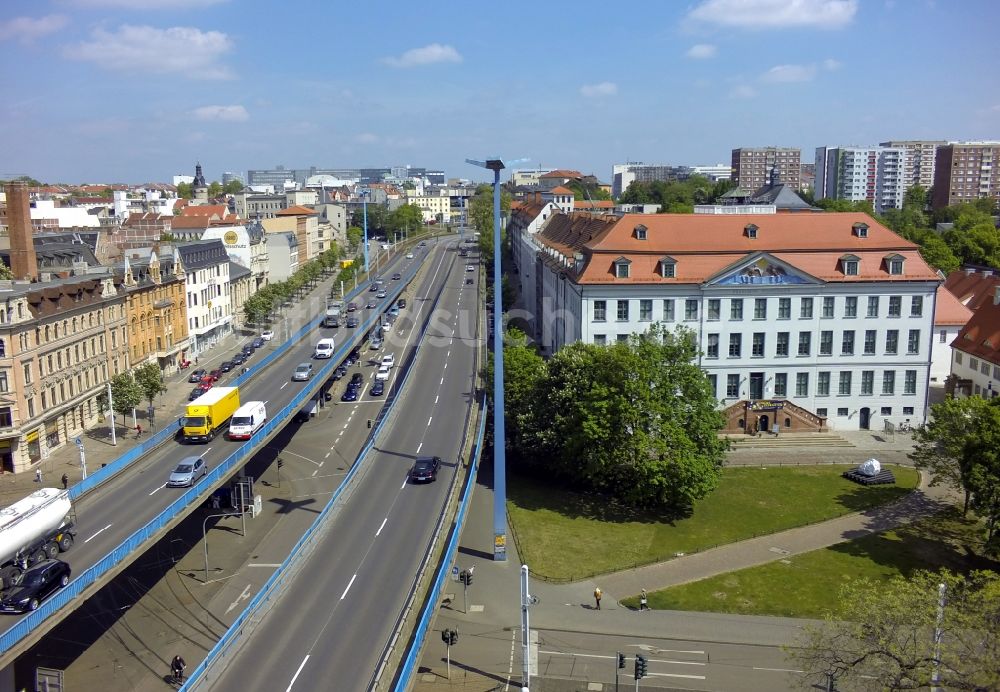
[
  {"x": 894, "y": 264},
  {"x": 750, "y": 230},
  {"x": 640, "y": 232},
  {"x": 622, "y": 268},
  {"x": 849, "y": 265},
  {"x": 668, "y": 267},
  {"x": 860, "y": 230}
]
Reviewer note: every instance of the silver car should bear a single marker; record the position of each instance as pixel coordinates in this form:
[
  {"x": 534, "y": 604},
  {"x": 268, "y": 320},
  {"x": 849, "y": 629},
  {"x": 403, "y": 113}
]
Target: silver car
[
  {"x": 187, "y": 472},
  {"x": 303, "y": 372}
]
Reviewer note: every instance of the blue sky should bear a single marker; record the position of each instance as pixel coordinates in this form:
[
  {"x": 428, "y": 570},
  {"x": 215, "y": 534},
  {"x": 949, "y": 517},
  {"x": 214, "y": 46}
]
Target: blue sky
[{"x": 138, "y": 90}]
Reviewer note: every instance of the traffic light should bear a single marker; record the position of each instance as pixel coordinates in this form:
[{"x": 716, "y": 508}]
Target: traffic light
[
  {"x": 281, "y": 462},
  {"x": 621, "y": 660},
  {"x": 449, "y": 637},
  {"x": 640, "y": 667},
  {"x": 468, "y": 577}
]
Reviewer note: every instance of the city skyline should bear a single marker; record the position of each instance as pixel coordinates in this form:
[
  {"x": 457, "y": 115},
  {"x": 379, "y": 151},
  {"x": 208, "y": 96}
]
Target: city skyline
[{"x": 138, "y": 90}]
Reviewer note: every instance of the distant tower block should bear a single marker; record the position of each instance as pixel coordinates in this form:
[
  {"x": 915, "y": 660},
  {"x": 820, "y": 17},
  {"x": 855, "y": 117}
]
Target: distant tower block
[{"x": 23, "y": 263}]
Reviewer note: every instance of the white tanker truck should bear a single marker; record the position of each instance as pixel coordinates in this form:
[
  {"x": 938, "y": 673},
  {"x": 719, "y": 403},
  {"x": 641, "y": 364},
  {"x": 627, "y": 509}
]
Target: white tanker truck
[{"x": 38, "y": 527}]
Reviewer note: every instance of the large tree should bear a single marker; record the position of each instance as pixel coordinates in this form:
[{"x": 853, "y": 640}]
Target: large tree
[
  {"x": 406, "y": 219},
  {"x": 125, "y": 394},
  {"x": 884, "y": 637},
  {"x": 149, "y": 378}
]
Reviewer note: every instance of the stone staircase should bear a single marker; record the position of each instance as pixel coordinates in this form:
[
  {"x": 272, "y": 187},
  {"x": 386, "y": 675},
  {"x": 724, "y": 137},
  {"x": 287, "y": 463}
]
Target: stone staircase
[{"x": 785, "y": 440}]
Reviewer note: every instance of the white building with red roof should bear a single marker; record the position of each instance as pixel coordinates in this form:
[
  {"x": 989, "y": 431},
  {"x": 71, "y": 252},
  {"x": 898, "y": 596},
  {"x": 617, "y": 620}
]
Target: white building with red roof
[
  {"x": 807, "y": 322},
  {"x": 975, "y": 350}
]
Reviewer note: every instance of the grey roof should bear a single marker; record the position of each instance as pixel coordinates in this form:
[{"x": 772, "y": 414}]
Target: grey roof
[
  {"x": 781, "y": 196},
  {"x": 198, "y": 254},
  {"x": 237, "y": 271}
]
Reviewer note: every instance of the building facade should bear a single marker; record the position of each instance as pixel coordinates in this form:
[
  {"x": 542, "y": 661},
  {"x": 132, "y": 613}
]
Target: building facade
[
  {"x": 283, "y": 254},
  {"x": 921, "y": 156},
  {"x": 624, "y": 174},
  {"x": 966, "y": 171},
  {"x": 156, "y": 311},
  {"x": 752, "y": 166},
  {"x": 875, "y": 174},
  {"x": 208, "y": 300}
]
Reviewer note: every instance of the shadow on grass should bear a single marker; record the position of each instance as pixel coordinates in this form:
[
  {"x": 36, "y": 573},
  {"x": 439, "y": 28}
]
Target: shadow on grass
[{"x": 861, "y": 498}]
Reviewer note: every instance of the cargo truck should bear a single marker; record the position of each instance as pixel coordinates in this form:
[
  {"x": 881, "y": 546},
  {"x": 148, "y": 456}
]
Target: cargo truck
[
  {"x": 38, "y": 527},
  {"x": 209, "y": 413},
  {"x": 332, "y": 316}
]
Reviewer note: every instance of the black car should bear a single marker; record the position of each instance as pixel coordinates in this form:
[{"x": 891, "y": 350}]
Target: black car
[
  {"x": 355, "y": 355},
  {"x": 226, "y": 365},
  {"x": 373, "y": 287},
  {"x": 195, "y": 393},
  {"x": 377, "y": 388},
  {"x": 397, "y": 276},
  {"x": 357, "y": 379},
  {"x": 352, "y": 322},
  {"x": 401, "y": 303},
  {"x": 258, "y": 342},
  {"x": 425, "y": 469},
  {"x": 350, "y": 394},
  {"x": 37, "y": 584},
  {"x": 197, "y": 375},
  {"x": 247, "y": 350},
  {"x": 372, "y": 304},
  {"x": 469, "y": 281},
  {"x": 339, "y": 373},
  {"x": 238, "y": 359}
]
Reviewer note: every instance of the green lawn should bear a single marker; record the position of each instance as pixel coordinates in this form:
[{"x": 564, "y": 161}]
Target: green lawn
[
  {"x": 807, "y": 585},
  {"x": 565, "y": 536}
]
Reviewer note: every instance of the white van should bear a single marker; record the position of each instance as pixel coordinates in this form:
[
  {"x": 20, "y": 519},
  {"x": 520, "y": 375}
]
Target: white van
[
  {"x": 324, "y": 349},
  {"x": 248, "y": 419}
]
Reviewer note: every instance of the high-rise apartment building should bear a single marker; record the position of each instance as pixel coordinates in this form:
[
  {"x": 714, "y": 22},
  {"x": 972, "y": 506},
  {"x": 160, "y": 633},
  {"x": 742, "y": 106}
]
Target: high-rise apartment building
[
  {"x": 874, "y": 174},
  {"x": 752, "y": 166},
  {"x": 919, "y": 166},
  {"x": 624, "y": 174},
  {"x": 965, "y": 171}
]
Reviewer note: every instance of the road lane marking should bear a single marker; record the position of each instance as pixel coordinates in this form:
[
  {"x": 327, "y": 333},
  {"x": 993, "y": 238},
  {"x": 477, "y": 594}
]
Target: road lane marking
[
  {"x": 101, "y": 531},
  {"x": 429, "y": 421},
  {"x": 282, "y": 387},
  {"x": 315, "y": 472},
  {"x": 382, "y": 526},
  {"x": 272, "y": 565},
  {"x": 327, "y": 455},
  {"x": 780, "y": 670},
  {"x": 441, "y": 382},
  {"x": 242, "y": 597},
  {"x": 445, "y": 366},
  {"x": 159, "y": 489},
  {"x": 403, "y": 485},
  {"x": 349, "y": 585},
  {"x": 677, "y": 675},
  {"x": 295, "y": 677},
  {"x": 436, "y": 398},
  {"x": 419, "y": 446}
]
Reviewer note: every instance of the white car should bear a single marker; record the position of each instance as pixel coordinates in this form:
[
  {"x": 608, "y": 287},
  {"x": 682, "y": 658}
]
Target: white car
[
  {"x": 469, "y": 268},
  {"x": 267, "y": 335},
  {"x": 376, "y": 344},
  {"x": 383, "y": 372},
  {"x": 388, "y": 360},
  {"x": 409, "y": 255}
]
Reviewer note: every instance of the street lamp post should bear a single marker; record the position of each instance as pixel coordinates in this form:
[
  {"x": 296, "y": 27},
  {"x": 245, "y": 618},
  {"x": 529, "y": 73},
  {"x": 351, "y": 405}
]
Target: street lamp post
[{"x": 364, "y": 203}]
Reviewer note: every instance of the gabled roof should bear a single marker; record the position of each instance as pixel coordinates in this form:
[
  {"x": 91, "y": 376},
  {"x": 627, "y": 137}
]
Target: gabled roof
[
  {"x": 949, "y": 311},
  {"x": 296, "y": 210},
  {"x": 981, "y": 335},
  {"x": 973, "y": 286},
  {"x": 571, "y": 233},
  {"x": 560, "y": 190},
  {"x": 561, "y": 173}
]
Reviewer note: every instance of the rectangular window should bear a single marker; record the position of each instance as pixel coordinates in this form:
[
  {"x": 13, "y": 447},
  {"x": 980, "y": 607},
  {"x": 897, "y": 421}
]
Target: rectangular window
[
  {"x": 913, "y": 342},
  {"x": 851, "y": 306},
  {"x": 891, "y": 341},
  {"x": 712, "y": 346},
  {"x": 974, "y": 364},
  {"x": 872, "y": 306},
  {"x": 844, "y": 386},
  {"x": 757, "y": 349},
  {"x": 601, "y": 339},
  {"x": 870, "y": 338},
  {"x": 735, "y": 345},
  {"x": 732, "y": 386},
  {"x": 943, "y": 336},
  {"x": 714, "y": 308},
  {"x": 984, "y": 368},
  {"x": 823, "y": 384},
  {"x": 781, "y": 384},
  {"x": 842, "y": 412},
  {"x": 867, "y": 382},
  {"x": 621, "y": 270},
  {"x": 895, "y": 306},
  {"x": 4, "y": 384},
  {"x": 907, "y": 410},
  {"x": 821, "y": 412},
  {"x": 645, "y": 310},
  {"x": 600, "y": 310},
  {"x": 622, "y": 338},
  {"x": 806, "y": 308},
  {"x": 760, "y": 308},
  {"x": 801, "y": 384},
  {"x": 27, "y": 373},
  {"x": 713, "y": 382},
  {"x": 889, "y": 382},
  {"x": 885, "y": 411},
  {"x": 847, "y": 343},
  {"x": 826, "y": 343},
  {"x": 691, "y": 309},
  {"x": 622, "y": 311},
  {"x": 916, "y": 306},
  {"x": 781, "y": 346},
  {"x": 958, "y": 357},
  {"x": 805, "y": 343},
  {"x": 668, "y": 310},
  {"x": 784, "y": 308},
  {"x": 910, "y": 382},
  {"x": 736, "y": 309},
  {"x": 828, "y": 307}
]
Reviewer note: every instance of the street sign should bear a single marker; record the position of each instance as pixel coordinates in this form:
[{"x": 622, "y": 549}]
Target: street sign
[
  {"x": 79, "y": 442},
  {"x": 454, "y": 573}
]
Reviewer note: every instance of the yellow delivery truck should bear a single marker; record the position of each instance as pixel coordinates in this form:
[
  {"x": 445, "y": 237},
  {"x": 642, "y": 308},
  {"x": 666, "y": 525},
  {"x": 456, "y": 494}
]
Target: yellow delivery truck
[{"x": 209, "y": 413}]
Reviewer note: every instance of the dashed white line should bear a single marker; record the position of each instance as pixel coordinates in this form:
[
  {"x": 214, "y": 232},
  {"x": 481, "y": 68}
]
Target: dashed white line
[
  {"x": 446, "y": 366},
  {"x": 282, "y": 387},
  {"x": 441, "y": 382},
  {"x": 101, "y": 531},
  {"x": 780, "y": 670},
  {"x": 349, "y": 585},
  {"x": 315, "y": 472},
  {"x": 328, "y": 455},
  {"x": 295, "y": 677},
  {"x": 403, "y": 485},
  {"x": 436, "y": 398},
  {"x": 159, "y": 489},
  {"x": 419, "y": 446},
  {"x": 382, "y": 526},
  {"x": 429, "y": 421}
]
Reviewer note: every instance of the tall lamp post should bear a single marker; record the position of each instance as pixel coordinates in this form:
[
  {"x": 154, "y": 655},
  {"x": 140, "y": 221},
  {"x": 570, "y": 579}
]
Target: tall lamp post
[
  {"x": 365, "y": 193},
  {"x": 499, "y": 435}
]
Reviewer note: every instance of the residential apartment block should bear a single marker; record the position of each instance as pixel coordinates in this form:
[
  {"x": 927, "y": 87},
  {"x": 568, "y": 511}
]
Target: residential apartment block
[
  {"x": 875, "y": 174},
  {"x": 918, "y": 169},
  {"x": 804, "y": 321},
  {"x": 156, "y": 309},
  {"x": 966, "y": 171},
  {"x": 752, "y": 166},
  {"x": 624, "y": 174}
]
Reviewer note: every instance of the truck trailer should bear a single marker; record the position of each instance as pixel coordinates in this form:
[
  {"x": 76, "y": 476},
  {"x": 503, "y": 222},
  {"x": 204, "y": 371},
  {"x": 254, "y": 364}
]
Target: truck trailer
[
  {"x": 38, "y": 527},
  {"x": 332, "y": 316},
  {"x": 209, "y": 413}
]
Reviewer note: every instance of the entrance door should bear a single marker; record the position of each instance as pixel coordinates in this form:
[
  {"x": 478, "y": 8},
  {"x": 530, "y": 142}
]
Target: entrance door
[
  {"x": 765, "y": 423},
  {"x": 865, "y": 418},
  {"x": 756, "y": 385}
]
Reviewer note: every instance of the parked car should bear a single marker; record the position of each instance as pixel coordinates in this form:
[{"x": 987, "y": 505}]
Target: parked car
[
  {"x": 401, "y": 303},
  {"x": 206, "y": 384},
  {"x": 352, "y": 322},
  {"x": 357, "y": 379},
  {"x": 425, "y": 469},
  {"x": 383, "y": 372},
  {"x": 247, "y": 350},
  {"x": 226, "y": 365},
  {"x": 377, "y": 388},
  {"x": 389, "y": 359},
  {"x": 356, "y": 355},
  {"x": 40, "y": 581},
  {"x": 189, "y": 470},
  {"x": 258, "y": 342},
  {"x": 303, "y": 372},
  {"x": 238, "y": 359},
  {"x": 267, "y": 334},
  {"x": 350, "y": 394},
  {"x": 196, "y": 375},
  {"x": 339, "y": 373},
  {"x": 375, "y": 343}
]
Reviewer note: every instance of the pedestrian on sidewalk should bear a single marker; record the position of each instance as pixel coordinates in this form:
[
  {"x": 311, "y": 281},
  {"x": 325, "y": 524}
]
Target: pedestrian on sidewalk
[
  {"x": 65, "y": 481},
  {"x": 597, "y": 597},
  {"x": 643, "y": 601},
  {"x": 138, "y": 431},
  {"x": 38, "y": 475}
]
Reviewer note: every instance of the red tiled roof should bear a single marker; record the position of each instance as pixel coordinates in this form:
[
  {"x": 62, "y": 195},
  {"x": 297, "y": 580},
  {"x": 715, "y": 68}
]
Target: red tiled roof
[
  {"x": 585, "y": 204},
  {"x": 297, "y": 210},
  {"x": 981, "y": 336},
  {"x": 187, "y": 222},
  {"x": 219, "y": 210},
  {"x": 560, "y": 190},
  {"x": 973, "y": 287},
  {"x": 949, "y": 311},
  {"x": 561, "y": 173}
]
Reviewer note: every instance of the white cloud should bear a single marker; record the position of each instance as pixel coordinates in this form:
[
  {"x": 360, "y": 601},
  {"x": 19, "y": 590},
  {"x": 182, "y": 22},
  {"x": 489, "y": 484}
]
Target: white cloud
[
  {"x": 232, "y": 114},
  {"x": 141, "y": 5},
  {"x": 27, "y": 29},
  {"x": 831, "y": 64},
  {"x": 768, "y": 14},
  {"x": 701, "y": 51},
  {"x": 599, "y": 90},
  {"x": 743, "y": 91},
  {"x": 367, "y": 138},
  {"x": 428, "y": 55},
  {"x": 180, "y": 49},
  {"x": 789, "y": 73}
]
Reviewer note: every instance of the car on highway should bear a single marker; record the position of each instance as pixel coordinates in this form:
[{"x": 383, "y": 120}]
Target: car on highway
[
  {"x": 469, "y": 281},
  {"x": 303, "y": 372},
  {"x": 352, "y": 306},
  {"x": 238, "y": 359},
  {"x": 195, "y": 393},
  {"x": 373, "y": 287},
  {"x": 226, "y": 365},
  {"x": 401, "y": 303},
  {"x": 189, "y": 470},
  {"x": 247, "y": 350},
  {"x": 425, "y": 469},
  {"x": 383, "y": 372},
  {"x": 206, "y": 383},
  {"x": 409, "y": 255},
  {"x": 350, "y": 394},
  {"x": 352, "y": 322},
  {"x": 40, "y": 581},
  {"x": 397, "y": 276},
  {"x": 357, "y": 379},
  {"x": 380, "y": 295},
  {"x": 267, "y": 334},
  {"x": 377, "y": 388},
  {"x": 372, "y": 304},
  {"x": 196, "y": 375},
  {"x": 469, "y": 268},
  {"x": 258, "y": 342},
  {"x": 216, "y": 374},
  {"x": 389, "y": 359}
]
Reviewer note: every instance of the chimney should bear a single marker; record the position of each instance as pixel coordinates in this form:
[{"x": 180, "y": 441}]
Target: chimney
[
  {"x": 987, "y": 273},
  {"x": 23, "y": 264},
  {"x": 969, "y": 271}
]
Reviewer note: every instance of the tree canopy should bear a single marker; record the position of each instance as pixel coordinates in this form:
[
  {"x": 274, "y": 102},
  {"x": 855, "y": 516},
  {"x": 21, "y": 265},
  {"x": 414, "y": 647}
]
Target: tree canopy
[
  {"x": 149, "y": 378},
  {"x": 406, "y": 219},
  {"x": 676, "y": 196},
  {"x": 481, "y": 218}
]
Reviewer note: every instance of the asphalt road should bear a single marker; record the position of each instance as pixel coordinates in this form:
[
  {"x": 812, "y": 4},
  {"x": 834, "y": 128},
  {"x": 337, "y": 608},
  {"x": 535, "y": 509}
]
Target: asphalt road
[{"x": 336, "y": 616}]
